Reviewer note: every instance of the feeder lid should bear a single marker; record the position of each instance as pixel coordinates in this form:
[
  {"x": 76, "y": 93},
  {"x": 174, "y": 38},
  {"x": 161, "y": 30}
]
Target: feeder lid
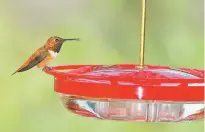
[{"x": 129, "y": 81}]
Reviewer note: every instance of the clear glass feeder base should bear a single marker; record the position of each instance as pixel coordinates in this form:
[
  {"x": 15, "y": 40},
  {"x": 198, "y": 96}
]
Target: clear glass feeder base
[{"x": 132, "y": 110}]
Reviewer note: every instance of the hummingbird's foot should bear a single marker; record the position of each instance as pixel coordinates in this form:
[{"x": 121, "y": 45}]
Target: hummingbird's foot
[{"x": 46, "y": 68}]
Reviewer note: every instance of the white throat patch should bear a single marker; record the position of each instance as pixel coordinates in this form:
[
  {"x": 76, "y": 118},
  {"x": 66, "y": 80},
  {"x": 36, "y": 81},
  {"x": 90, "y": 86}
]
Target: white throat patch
[{"x": 52, "y": 53}]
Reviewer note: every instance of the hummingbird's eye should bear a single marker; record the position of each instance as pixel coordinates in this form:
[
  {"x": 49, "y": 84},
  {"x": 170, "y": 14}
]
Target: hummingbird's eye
[{"x": 56, "y": 40}]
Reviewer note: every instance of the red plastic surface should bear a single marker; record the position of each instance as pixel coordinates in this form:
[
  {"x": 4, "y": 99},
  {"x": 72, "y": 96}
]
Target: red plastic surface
[{"x": 126, "y": 81}]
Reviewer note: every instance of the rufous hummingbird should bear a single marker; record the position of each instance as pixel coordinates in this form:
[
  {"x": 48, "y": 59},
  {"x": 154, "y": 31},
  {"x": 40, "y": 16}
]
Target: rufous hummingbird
[{"x": 44, "y": 54}]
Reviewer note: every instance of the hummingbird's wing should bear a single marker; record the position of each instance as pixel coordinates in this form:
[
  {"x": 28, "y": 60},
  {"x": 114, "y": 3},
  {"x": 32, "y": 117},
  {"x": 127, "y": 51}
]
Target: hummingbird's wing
[{"x": 33, "y": 60}]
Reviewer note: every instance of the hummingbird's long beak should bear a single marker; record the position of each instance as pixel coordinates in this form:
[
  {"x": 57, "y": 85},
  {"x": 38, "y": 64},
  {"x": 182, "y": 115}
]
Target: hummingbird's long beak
[{"x": 77, "y": 39}]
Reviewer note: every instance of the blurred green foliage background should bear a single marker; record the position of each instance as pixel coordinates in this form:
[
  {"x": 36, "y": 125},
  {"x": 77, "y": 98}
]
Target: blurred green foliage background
[{"x": 109, "y": 32}]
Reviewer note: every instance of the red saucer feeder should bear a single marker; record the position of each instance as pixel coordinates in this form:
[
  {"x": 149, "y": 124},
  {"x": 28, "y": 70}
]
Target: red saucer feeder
[
  {"x": 126, "y": 92},
  {"x": 131, "y": 92}
]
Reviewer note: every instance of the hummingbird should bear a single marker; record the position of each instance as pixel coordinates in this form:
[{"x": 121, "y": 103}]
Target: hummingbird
[{"x": 44, "y": 54}]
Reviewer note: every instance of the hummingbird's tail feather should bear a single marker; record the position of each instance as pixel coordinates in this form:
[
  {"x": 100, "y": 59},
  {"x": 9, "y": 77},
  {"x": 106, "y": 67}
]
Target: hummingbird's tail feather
[
  {"x": 22, "y": 70},
  {"x": 14, "y": 73}
]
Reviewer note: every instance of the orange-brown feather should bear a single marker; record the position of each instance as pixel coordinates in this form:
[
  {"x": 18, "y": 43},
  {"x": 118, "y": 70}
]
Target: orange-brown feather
[
  {"x": 26, "y": 63},
  {"x": 45, "y": 61}
]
